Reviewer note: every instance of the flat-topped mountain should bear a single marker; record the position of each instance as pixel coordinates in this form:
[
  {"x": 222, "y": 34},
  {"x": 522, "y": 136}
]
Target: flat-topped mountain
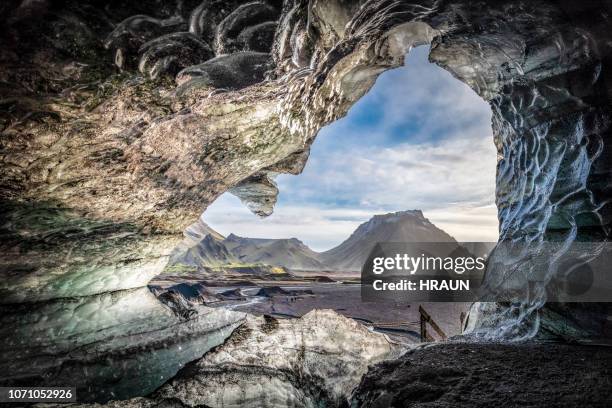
[
  {"x": 206, "y": 247},
  {"x": 403, "y": 226}
]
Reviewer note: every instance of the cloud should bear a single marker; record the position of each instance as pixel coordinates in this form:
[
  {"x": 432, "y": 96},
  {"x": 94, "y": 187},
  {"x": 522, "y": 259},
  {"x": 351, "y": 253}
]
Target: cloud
[
  {"x": 467, "y": 224},
  {"x": 424, "y": 176},
  {"x": 420, "y": 139},
  {"x": 320, "y": 228},
  {"x": 418, "y": 103}
]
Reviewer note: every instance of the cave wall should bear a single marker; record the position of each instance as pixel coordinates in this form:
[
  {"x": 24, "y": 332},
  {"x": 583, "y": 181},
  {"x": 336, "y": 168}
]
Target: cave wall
[
  {"x": 122, "y": 121},
  {"x": 544, "y": 69}
]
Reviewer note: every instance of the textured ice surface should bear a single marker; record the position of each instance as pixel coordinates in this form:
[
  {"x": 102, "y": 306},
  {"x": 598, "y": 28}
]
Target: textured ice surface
[
  {"x": 313, "y": 361},
  {"x": 258, "y": 193},
  {"x": 317, "y": 359},
  {"x": 48, "y": 251},
  {"x": 111, "y": 346},
  {"x": 102, "y": 172}
]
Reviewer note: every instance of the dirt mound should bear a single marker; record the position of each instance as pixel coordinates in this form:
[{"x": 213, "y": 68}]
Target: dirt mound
[{"x": 488, "y": 375}]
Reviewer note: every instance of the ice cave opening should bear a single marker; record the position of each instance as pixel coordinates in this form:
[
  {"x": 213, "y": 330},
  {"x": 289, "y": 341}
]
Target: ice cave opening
[
  {"x": 418, "y": 139},
  {"x": 413, "y": 160}
]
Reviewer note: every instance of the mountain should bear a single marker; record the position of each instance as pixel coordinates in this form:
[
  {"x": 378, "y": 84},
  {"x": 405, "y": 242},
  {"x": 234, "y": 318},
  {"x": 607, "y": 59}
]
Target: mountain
[
  {"x": 205, "y": 247},
  {"x": 289, "y": 253},
  {"x": 202, "y": 246},
  {"x": 209, "y": 252},
  {"x": 403, "y": 226},
  {"x": 199, "y": 230}
]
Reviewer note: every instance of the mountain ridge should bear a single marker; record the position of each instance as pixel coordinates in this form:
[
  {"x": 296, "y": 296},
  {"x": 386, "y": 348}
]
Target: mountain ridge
[{"x": 214, "y": 250}]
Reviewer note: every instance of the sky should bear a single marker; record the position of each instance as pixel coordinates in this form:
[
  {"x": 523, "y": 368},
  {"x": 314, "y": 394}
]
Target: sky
[{"x": 419, "y": 139}]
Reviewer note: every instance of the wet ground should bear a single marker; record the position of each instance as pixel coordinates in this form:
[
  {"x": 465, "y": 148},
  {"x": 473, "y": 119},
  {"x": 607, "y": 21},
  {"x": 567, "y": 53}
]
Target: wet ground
[{"x": 296, "y": 296}]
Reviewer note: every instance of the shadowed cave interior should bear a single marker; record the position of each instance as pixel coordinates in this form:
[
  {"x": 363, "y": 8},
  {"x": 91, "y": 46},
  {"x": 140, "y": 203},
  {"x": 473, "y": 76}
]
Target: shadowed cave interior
[{"x": 122, "y": 122}]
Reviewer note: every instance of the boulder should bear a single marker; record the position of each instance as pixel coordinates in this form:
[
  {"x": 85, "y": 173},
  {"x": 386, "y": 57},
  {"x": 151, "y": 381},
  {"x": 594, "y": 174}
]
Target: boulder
[{"x": 312, "y": 361}]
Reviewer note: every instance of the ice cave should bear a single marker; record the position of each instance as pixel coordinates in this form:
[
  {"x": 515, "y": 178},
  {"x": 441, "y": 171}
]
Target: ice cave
[{"x": 122, "y": 121}]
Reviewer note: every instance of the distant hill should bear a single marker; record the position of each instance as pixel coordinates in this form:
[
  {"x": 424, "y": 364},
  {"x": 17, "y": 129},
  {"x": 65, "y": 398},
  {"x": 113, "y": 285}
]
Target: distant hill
[
  {"x": 205, "y": 247},
  {"x": 290, "y": 253}
]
